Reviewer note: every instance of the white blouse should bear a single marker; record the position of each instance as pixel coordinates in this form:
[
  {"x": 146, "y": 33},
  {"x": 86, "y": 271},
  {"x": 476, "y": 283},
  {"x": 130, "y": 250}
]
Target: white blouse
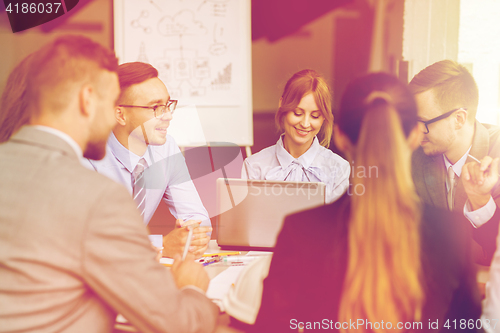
[{"x": 317, "y": 164}]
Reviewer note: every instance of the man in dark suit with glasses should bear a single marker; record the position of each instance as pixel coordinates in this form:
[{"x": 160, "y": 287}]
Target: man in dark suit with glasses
[{"x": 447, "y": 99}]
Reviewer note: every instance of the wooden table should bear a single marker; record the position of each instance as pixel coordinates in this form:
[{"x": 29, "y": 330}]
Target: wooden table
[{"x": 212, "y": 271}]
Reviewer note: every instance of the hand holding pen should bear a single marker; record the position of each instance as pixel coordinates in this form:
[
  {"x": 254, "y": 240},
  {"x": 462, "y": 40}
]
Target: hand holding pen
[
  {"x": 486, "y": 162},
  {"x": 189, "y": 273},
  {"x": 479, "y": 178},
  {"x": 186, "y": 271},
  {"x": 174, "y": 242},
  {"x": 188, "y": 242},
  {"x": 200, "y": 239}
]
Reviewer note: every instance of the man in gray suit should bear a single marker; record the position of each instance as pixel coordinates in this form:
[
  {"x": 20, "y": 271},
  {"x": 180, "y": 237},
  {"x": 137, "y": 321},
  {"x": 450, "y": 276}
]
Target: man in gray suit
[
  {"x": 447, "y": 99},
  {"x": 73, "y": 248}
]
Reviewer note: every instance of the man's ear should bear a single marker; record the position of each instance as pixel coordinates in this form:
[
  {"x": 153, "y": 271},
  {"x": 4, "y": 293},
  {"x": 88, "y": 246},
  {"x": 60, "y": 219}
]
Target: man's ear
[
  {"x": 121, "y": 117},
  {"x": 341, "y": 141},
  {"x": 461, "y": 118},
  {"x": 415, "y": 137},
  {"x": 87, "y": 107}
]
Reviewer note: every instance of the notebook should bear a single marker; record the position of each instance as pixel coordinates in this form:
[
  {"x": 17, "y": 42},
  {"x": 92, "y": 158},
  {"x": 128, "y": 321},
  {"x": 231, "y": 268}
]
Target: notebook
[{"x": 250, "y": 213}]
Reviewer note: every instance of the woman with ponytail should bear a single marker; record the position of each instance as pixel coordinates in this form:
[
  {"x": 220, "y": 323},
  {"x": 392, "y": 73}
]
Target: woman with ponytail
[{"x": 377, "y": 259}]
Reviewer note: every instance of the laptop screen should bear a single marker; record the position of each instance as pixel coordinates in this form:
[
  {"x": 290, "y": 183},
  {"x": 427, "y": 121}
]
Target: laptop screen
[{"x": 251, "y": 212}]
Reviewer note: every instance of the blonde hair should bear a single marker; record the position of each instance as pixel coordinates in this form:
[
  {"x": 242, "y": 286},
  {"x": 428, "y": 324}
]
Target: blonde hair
[
  {"x": 300, "y": 84},
  {"x": 383, "y": 279},
  {"x": 452, "y": 84}
]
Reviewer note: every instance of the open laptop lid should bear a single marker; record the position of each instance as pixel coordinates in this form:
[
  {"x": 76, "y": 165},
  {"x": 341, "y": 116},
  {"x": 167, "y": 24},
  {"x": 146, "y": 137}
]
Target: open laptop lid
[{"x": 251, "y": 212}]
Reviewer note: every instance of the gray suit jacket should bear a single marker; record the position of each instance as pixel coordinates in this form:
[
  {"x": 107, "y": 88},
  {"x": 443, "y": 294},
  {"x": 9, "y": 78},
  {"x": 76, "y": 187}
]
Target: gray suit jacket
[
  {"x": 74, "y": 251},
  {"x": 429, "y": 175}
]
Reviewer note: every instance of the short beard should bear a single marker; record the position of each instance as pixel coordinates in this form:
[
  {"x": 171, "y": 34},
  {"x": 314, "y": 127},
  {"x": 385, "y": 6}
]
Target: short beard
[
  {"x": 95, "y": 150},
  {"x": 433, "y": 153}
]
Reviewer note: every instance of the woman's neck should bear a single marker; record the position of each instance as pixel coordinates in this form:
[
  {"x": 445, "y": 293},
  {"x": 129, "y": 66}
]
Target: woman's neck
[{"x": 295, "y": 150}]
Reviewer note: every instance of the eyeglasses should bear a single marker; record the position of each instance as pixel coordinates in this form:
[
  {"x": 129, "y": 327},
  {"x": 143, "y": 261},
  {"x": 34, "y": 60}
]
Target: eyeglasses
[
  {"x": 443, "y": 116},
  {"x": 158, "y": 110}
]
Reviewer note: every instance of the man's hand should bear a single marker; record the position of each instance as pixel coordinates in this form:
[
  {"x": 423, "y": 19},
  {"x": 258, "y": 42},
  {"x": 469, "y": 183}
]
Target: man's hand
[
  {"x": 189, "y": 273},
  {"x": 158, "y": 251},
  {"x": 174, "y": 242},
  {"x": 479, "y": 179}
]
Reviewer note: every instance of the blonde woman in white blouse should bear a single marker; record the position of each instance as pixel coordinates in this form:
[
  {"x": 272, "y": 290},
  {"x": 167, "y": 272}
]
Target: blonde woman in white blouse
[{"x": 304, "y": 114}]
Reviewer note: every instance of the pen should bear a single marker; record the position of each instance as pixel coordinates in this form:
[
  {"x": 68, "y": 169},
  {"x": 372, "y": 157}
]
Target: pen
[
  {"x": 221, "y": 254},
  {"x": 211, "y": 261},
  {"x": 188, "y": 244},
  {"x": 208, "y": 263},
  {"x": 475, "y": 159}
]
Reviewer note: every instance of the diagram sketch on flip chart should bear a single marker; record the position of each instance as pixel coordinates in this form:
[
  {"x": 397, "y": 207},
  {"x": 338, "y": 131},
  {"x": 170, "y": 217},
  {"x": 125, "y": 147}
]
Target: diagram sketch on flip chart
[{"x": 194, "y": 45}]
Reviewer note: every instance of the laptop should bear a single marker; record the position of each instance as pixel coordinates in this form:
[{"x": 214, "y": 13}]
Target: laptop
[{"x": 250, "y": 213}]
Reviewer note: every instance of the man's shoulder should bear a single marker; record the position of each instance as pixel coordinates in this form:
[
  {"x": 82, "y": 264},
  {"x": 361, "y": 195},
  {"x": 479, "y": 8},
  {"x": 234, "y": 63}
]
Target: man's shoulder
[
  {"x": 419, "y": 158},
  {"x": 493, "y": 132},
  {"x": 488, "y": 136},
  {"x": 491, "y": 128},
  {"x": 78, "y": 174},
  {"x": 62, "y": 176}
]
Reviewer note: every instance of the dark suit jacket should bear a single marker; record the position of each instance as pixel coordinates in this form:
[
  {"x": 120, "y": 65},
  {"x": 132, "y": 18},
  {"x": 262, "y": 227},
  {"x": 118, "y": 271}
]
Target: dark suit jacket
[
  {"x": 310, "y": 262},
  {"x": 429, "y": 174},
  {"x": 74, "y": 250}
]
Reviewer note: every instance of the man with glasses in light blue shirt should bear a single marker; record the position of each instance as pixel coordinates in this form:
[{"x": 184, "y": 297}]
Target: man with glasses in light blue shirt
[
  {"x": 141, "y": 156},
  {"x": 447, "y": 100}
]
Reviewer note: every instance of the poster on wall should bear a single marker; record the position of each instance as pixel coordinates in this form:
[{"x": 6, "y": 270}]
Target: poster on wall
[{"x": 195, "y": 45}]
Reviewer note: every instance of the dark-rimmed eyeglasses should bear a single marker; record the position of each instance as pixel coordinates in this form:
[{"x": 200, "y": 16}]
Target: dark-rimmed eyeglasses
[
  {"x": 443, "y": 116},
  {"x": 158, "y": 110}
]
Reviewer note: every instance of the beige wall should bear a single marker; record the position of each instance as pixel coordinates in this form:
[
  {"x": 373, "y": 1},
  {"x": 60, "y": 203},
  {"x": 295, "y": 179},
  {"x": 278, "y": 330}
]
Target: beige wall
[
  {"x": 430, "y": 32},
  {"x": 462, "y": 30},
  {"x": 93, "y": 21},
  {"x": 479, "y": 46},
  {"x": 274, "y": 63}
]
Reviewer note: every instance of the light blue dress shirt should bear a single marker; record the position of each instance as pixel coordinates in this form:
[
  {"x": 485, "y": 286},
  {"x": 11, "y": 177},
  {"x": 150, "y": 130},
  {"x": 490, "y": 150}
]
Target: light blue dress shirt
[
  {"x": 317, "y": 164},
  {"x": 167, "y": 177}
]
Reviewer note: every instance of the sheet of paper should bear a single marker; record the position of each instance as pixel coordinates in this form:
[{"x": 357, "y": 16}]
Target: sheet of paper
[
  {"x": 219, "y": 286},
  {"x": 259, "y": 253},
  {"x": 167, "y": 261}
]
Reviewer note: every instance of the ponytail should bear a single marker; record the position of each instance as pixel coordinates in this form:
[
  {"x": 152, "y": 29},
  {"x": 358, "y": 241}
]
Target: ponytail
[{"x": 383, "y": 280}]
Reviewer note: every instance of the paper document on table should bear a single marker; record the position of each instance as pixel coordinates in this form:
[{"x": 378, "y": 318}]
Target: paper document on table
[
  {"x": 219, "y": 286},
  {"x": 259, "y": 253},
  {"x": 167, "y": 261}
]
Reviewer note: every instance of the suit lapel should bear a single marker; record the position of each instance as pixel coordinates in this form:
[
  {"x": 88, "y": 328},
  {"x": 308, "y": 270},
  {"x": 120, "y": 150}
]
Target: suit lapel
[
  {"x": 434, "y": 177},
  {"x": 480, "y": 142}
]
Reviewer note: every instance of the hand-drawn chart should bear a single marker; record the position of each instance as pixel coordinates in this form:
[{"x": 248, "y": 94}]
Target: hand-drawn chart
[
  {"x": 195, "y": 45},
  {"x": 202, "y": 50}
]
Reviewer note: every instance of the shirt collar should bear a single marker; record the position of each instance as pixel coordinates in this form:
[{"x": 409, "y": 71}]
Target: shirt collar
[
  {"x": 457, "y": 167},
  {"x": 127, "y": 158},
  {"x": 306, "y": 159},
  {"x": 69, "y": 140}
]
